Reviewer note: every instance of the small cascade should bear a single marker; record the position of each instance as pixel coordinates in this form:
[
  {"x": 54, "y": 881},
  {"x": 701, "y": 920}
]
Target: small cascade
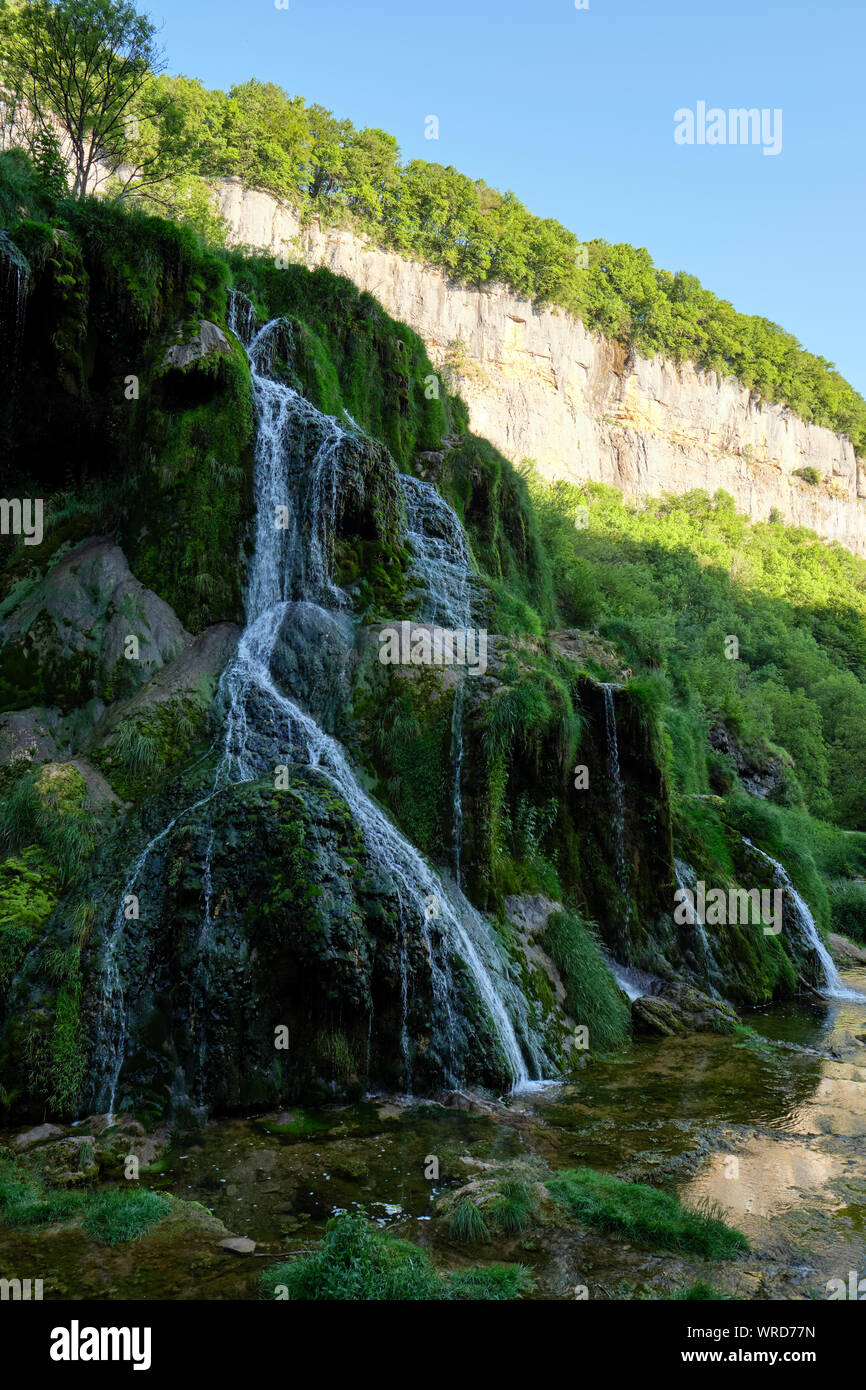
[
  {"x": 618, "y": 798},
  {"x": 833, "y": 984},
  {"x": 440, "y": 556},
  {"x": 457, "y": 764},
  {"x": 624, "y": 978},
  {"x": 441, "y": 560},
  {"x": 298, "y": 469},
  {"x": 14, "y": 288}
]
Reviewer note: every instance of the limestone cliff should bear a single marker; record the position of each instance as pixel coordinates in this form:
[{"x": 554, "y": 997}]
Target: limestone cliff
[{"x": 540, "y": 386}]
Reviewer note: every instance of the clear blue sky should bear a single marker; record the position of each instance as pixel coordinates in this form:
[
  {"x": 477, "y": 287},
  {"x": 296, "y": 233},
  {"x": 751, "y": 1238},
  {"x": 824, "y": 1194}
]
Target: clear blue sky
[{"x": 573, "y": 109}]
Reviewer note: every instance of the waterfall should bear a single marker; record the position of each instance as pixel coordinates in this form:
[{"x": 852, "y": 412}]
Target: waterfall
[
  {"x": 440, "y": 555},
  {"x": 442, "y": 562},
  {"x": 298, "y": 470},
  {"x": 618, "y": 801},
  {"x": 14, "y": 288},
  {"x": 833, "y": 984}
]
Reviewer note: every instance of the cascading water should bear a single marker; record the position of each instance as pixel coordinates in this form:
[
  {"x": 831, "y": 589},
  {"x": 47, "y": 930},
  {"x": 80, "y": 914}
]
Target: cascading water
[
  {"x": 14, "y": 287},
  {"x": 298, "y": 469},
  {"x": 442, "y": 562},
  {"x": 618, "y": 799},
  {"x": 626, "y": 981},
  {"x": 833, "y": 984}
]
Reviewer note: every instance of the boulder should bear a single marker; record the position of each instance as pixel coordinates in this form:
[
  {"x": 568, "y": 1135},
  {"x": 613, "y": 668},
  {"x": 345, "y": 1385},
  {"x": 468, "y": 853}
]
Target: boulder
[
  {"x": 31, "y": 1137},
  {"x": 676, "y": 1007},
  {"x": 33, "y": 735},
  {"x": 206, "y": 341},
  {"x": 66, "y": 640},
  {"x": 845, "y": 952}
]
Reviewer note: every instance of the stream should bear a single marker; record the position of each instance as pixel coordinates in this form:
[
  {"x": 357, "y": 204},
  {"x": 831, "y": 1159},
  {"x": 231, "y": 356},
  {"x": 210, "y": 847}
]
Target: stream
[{"x": 769, "y": 1127}]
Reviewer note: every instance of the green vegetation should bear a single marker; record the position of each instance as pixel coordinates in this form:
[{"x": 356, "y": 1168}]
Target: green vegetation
[
  {"x": 117, "y": 1215},
  {"x": 26, "y": 1202},
  {"x": 327, "y": 168},
  {"x": 644, "y": 1214},
  {"x": 669, "y": 580},
  {"x": 467, "y": 1224},
  {"x": 111, "y": 1215},
  {"x": 49, "y": 838},
  {"x": 530, "y": 728},
  {"x": 699, "y": 1293},
  {"x": 592, "y": 997},
  {"x": 165, "y": 139},
  {"x": 347, "y": 354},
  {"x": 515, "y": 1207},
  {"x": 358, "y": 1261},
  {"x": 89, "y": 67},
  {"x": 27, "y": 899},
  {"x": 149, "y": 746},
  {"x": 848, "y": 909},
  {"x": 40, "y": 810}
]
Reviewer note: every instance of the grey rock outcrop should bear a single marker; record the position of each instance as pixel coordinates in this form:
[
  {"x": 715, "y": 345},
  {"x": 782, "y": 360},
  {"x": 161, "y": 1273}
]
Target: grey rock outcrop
[{"x": 208, "y": 341}]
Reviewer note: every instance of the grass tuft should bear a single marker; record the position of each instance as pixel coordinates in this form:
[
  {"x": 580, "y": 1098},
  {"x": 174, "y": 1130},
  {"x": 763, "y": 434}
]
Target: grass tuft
[
  {"x": 358, "y": 1261},
  {"x": 644, "y": 1214}
]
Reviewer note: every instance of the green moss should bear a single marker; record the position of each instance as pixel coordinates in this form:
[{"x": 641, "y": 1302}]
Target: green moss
[
  {"x": 492, "y": 501},
  {"x": 301, "y": 1123},
  {"x": 196, "y": 492},
  {"x": 348, "y": 354},
  {"x": 146, "y": 748},
  {"x": 28, "y": 894},
  {"x": 26, "y": 1203}
]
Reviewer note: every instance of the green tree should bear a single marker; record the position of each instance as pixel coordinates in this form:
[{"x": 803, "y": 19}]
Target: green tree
[{"x": 85, "y": 68}]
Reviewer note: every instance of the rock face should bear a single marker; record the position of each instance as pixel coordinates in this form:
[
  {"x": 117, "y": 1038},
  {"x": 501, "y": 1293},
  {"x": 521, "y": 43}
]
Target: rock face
[
  {"x": 66, "y": 639},
  {"x": 540, "y": 386},
  {"x": 305, "y": 936}
]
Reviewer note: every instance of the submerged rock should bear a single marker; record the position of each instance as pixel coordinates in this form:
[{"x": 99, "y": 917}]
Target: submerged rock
[
  {"x": 240, "y": 1245},
  {"x": 677, "y": 1007}
]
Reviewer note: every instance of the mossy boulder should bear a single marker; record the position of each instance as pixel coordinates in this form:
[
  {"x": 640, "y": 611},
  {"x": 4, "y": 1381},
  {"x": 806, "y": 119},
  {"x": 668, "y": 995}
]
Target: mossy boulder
[
  {"x": 677, "y": 1007},
  {"x": 68, "y": 638},
  {"x": 272, "y": 962}
]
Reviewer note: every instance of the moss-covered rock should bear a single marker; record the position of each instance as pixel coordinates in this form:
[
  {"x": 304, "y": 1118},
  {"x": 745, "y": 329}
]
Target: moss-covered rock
[{"x": 87, "y": 630}]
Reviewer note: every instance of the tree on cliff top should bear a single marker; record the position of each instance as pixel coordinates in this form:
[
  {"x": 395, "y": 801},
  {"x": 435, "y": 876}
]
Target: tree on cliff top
[{"x": 83, "y": 70}]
